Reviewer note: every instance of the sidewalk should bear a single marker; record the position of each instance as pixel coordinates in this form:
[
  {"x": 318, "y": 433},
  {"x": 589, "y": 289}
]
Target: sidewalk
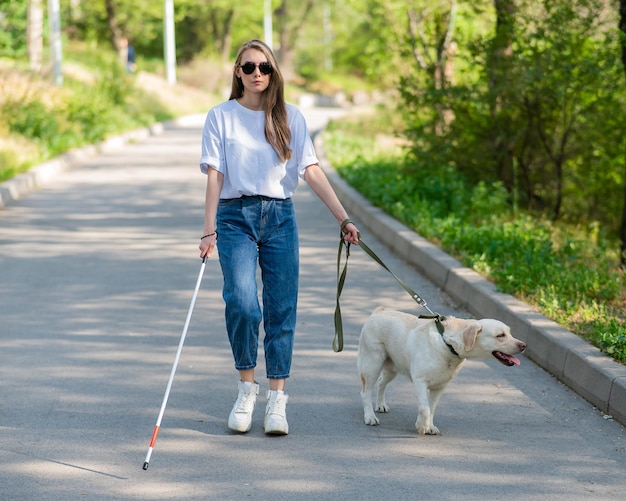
[{"x": 97, "y": 269}]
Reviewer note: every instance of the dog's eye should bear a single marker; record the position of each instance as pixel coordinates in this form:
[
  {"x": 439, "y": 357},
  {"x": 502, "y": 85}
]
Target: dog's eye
[{"x": 501, "y": 335}]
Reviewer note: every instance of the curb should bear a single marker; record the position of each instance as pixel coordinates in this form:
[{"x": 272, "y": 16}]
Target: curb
[
  {"x": 20, "y": 186},
  {"x": 581, "y": 366}
]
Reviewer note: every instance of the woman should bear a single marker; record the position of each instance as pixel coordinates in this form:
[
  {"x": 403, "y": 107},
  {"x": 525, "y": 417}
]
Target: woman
[{"x": 254, "y": 149}]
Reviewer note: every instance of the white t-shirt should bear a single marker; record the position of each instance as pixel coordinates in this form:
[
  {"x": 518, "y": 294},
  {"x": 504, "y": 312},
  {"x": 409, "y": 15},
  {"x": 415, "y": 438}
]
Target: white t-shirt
[{"x": 233, "y": 143}]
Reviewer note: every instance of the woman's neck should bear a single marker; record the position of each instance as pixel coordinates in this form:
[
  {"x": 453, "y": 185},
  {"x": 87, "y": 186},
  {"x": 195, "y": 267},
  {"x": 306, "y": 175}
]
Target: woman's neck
[{"x": 253, "y": 102}]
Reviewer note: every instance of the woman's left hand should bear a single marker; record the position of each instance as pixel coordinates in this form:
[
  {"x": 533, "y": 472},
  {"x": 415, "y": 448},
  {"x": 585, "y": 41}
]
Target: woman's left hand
[{"x": 351, "y": 233}]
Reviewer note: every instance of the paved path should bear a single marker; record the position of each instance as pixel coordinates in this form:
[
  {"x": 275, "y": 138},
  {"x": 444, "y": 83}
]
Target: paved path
[{"x": 96, "y": 275}]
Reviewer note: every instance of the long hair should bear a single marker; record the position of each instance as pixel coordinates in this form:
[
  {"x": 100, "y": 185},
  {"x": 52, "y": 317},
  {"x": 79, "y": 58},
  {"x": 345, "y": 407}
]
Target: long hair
[{"x": 277, "y": 132}]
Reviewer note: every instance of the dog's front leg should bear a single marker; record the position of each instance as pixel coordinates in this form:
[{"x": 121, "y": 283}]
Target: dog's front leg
[
  {"x": 424, "y": 423},
  {"x": 367, "y": 389},
  {"x": 434, "y": 395}
]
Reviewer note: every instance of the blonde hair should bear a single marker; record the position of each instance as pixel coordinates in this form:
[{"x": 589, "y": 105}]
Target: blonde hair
[{"x": 277, "y": 132}]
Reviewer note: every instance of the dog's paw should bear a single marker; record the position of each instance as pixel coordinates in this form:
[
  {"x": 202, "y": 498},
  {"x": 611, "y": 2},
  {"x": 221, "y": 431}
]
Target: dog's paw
[
  {"x": 428, "y": 430},
  {"x": 382, "y": 408},
  {"x": 371, "y": 420}
]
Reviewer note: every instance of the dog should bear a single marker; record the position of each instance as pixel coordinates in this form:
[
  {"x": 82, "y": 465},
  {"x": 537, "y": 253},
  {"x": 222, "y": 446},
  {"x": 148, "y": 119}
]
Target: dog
[{"x": 393, "y": 342}]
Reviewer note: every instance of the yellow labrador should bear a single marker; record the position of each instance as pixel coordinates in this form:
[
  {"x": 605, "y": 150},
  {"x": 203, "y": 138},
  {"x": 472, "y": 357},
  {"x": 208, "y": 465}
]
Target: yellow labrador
[{"x": 393, "y": 342}]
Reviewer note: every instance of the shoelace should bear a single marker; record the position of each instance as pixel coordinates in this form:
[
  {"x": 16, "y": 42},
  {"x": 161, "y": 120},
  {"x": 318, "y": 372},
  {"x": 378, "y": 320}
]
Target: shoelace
[
  {"x": 278, "y": 407},
  {"x": 245, "y": 403}
]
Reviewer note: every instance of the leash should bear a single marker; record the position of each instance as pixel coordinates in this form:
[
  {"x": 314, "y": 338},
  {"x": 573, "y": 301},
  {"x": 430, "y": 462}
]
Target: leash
[{"x": 341, "y": 278}]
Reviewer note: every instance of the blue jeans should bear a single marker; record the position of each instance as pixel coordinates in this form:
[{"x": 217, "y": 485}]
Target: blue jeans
[{"x": 263, "y": 230}]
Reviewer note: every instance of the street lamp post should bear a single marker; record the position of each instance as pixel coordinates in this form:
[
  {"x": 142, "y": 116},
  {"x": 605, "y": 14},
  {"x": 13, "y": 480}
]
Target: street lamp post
[
  {"x": 54, "y": 21},
  {"x": 169, "y": 41},
  {"x": 267, "y": 23}
]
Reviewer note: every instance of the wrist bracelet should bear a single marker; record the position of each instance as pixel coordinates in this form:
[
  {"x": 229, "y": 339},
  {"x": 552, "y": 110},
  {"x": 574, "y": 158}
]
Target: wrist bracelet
[
  {"x": 345, "y": 222},
  {"x": 208, "y": 235}
]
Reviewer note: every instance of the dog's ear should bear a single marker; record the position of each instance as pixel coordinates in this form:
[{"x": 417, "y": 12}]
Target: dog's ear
[{"x": 470, "y": 334}]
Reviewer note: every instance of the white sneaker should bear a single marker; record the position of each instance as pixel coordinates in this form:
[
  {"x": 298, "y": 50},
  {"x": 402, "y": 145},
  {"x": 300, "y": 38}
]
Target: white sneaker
[
  {"x": 276, "y": 413},
  {"x": 240, "y": 418}
]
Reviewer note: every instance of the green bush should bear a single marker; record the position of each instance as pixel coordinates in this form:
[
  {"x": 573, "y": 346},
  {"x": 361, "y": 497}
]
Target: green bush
[
  {"x": 612, "y": 339},
  {"x": 40, "y": 124},
  {"x": 90, "y": 116},
  {"x": 8, "y": 157}
]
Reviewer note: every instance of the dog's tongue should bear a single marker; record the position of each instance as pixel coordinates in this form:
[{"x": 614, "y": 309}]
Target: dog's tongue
[
  {"x": 509, "y": 360},
  {"x": 513, "y": 359}
]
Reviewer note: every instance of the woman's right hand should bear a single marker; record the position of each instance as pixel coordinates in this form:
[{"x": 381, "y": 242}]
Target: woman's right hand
[{"x": 207, "y": 244}]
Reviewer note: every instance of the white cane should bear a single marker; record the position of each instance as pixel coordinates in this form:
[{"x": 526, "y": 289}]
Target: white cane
[{"x": 174, "y": 366}]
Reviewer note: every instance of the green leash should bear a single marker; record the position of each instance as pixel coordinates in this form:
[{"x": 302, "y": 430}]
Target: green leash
[{"x": 341, "y": 279}]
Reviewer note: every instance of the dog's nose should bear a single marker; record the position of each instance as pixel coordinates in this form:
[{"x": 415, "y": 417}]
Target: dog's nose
[{"x": 522, "y": 346}]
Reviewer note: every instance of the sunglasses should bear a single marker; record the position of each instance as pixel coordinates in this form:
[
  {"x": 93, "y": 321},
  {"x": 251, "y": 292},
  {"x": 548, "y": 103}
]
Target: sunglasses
[{"x": 248, "y": 68}]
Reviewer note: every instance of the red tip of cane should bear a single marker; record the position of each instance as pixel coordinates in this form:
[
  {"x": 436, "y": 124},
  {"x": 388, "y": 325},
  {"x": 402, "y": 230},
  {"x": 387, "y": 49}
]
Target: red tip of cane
[{"x": 155, "y": 433}]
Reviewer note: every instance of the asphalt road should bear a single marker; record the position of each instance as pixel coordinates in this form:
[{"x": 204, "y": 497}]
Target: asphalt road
[{"x": 97, "y": 270}]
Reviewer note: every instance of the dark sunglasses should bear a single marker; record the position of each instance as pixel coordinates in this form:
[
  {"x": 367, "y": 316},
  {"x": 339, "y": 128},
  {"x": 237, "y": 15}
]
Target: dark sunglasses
[{"x": 248, "y": 68}]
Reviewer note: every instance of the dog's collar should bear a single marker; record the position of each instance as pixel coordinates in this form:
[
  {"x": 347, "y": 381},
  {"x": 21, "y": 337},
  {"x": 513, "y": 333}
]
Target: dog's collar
[
  {"x": 450, "y": 347},
  {"x": 438, "y": 323}
]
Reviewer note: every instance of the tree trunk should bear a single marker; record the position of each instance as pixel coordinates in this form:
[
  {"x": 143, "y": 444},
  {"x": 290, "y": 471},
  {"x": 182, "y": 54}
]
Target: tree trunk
[
  {"x": 441, "y": 67},
  {"x": 284, "y": 54},
  {"x": 114, "y": 30},
  {"x": 499, "y": 64},
  {"x": 227, "y": 36},
  {"x": 288, "y": 28},
  {"x": 35, "y": 34},
  {"x": 622, "y": 27},
  {"x": 623, "y": 227}
]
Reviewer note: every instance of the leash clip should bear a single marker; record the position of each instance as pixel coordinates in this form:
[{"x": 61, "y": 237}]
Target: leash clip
[
  {"x": 420, "y": 301},
  {"x": 438, "y": 318}
]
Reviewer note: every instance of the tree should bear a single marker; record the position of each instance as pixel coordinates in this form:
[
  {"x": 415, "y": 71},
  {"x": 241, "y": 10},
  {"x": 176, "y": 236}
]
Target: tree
[
  {"x": 207, "y": 28},
  {"x": 533, "y": 105},
  {"x": 290, "y": 22},
  {"x": 568, "y": 84},
  {"x": 34, "y": 34},
  {"x": 114, "y": 30},
  {"x": 499, "y": 64},
  {"x": 13, "y": 29},
  {"x": 435, "y": 55},
  {"x": 222, "y": 26},
  {"x": 431, "y": 54},
  {"x": 622, "y": 27}
]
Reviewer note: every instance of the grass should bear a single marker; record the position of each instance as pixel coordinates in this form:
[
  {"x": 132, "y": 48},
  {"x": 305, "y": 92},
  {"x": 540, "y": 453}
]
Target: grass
[
  {"x": 571, "y": 274},
  {"x": 39, "y": 120}
]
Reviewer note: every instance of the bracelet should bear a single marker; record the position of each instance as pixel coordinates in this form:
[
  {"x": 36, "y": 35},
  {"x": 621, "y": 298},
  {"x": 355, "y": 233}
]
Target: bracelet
[
  {"x": 344, "y": 223},
  {"x": 208, "y": 235}
]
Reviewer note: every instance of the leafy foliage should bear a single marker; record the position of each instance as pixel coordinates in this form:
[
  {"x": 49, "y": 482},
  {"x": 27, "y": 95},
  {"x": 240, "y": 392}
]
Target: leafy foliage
[
  {"x": 12, "y": 28},
  {"x": 542, "y": 123}
]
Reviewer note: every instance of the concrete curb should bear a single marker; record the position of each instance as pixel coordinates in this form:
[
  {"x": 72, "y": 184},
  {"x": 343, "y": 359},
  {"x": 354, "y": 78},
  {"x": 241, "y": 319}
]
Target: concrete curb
[
  {"x": 22, "y": 185},
  {"x": 582, "y": 367}
]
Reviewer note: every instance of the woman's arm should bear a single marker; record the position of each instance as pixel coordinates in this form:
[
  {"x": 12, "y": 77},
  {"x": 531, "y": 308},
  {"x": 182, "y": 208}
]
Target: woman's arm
[
  {"x": 317, "y": 180},
  {"x": 214, "y": 183}
]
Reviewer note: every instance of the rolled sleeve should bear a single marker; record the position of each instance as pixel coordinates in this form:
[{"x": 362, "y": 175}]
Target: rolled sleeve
[
  {"x": 212, "y": 146},
  {"x": 301, "y": 143}
]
